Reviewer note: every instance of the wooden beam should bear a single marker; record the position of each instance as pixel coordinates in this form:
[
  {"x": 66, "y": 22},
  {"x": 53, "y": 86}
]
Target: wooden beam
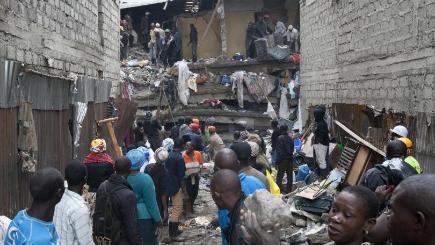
[{"x": 359, "y": 139}]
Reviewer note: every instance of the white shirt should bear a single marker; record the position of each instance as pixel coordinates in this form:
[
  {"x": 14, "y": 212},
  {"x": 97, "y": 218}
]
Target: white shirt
[{"x": 72, "y": 220}]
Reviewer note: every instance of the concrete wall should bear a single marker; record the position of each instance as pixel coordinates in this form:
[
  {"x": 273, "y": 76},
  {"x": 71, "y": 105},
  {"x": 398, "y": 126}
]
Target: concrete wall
[
  {"x": 378, "y": 53},
  {"x": 80, "y": 36},
  {"x": 236, "y": 23}
]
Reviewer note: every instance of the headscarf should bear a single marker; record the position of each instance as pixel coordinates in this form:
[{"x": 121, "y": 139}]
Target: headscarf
[
  {"x": 255, "y": 149},
  {"x": 194, "y": 127},
  {"x": 168, "y": 144},
  {"x": 161, "y": 155},
  {"x": 137, "y": 158},
  {"x": 212, "y": 129},
  {"x": 98, "y": 146},
  {"x": 98, "y": 153}
]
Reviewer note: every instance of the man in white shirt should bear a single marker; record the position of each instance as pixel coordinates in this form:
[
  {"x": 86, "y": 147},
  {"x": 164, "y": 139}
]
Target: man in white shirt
[{"x": 71, "y": 215}]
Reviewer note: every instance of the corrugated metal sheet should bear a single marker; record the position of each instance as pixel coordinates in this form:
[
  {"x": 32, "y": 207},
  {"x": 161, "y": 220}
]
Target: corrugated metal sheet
[
  {"x": 8, "y": 158},
  {"x": 102, "y": 91},
  {"x": 55, "y": 150},
  {"x": 94, "y": 113},
  {"x": 137, "y": 3},
  {"x": 45, "y": 93},
  {"x": 424, "y": 142},
  {"x": 8, "y": 83},
  {"x": 92, "y": 90}
]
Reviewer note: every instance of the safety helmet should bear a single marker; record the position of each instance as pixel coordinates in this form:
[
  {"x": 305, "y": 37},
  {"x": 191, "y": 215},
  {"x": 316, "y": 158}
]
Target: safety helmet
[
  {"x": 407, "y": 142},
  {"x": 400, "y": 130}
]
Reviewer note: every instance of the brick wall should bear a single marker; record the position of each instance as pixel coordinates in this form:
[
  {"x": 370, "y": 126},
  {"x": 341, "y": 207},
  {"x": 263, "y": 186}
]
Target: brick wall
[
  {"x": 62, "y": 36},
  {"x": 379, "y": 53},
  {"x": 369, "y": 52}
]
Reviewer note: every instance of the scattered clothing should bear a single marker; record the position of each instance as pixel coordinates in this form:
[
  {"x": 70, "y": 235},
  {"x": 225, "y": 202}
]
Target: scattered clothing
[
  {"x": 72, "y": 220},
  {"x": 25, "y": 229}
]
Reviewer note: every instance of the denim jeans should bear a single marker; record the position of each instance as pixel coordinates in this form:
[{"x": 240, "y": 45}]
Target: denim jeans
[{"x": 147, "y": 229}]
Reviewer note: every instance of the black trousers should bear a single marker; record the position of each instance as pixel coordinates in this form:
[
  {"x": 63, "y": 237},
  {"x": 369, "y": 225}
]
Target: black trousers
[
  {"x": 192, "y": 189},
  {"x": 285, "y": 167}
]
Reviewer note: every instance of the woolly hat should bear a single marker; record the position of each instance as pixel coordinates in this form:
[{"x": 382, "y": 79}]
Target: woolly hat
[
  {"x": 161, "y": 155},
  {"x": 168, "y": 144},
  {"x": 194, "y": 127},
  {"x": 137, "y": 158}
]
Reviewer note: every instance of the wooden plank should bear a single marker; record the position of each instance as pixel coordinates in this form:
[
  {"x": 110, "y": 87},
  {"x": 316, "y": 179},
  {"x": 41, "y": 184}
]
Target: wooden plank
[
  {"x": 359, "y": 166},
  {"x": 359, "y": 139}
]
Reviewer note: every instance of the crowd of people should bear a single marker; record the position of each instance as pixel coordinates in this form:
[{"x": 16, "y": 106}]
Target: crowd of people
[
  {"x": 126, "y": 201},
  {"x": 162, "y": 45}
]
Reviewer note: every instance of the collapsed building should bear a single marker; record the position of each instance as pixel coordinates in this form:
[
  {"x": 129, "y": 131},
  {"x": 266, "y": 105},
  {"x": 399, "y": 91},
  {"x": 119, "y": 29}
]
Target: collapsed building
[{"x": 224, "y": 83}]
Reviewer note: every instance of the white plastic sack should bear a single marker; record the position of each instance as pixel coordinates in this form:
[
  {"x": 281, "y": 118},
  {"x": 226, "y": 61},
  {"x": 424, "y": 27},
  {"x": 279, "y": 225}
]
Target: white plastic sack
[
  {"x": 183, "y": 75},
  {"x": 237, "y": 78},
  {"x": 270, "y": 111},
  {"x": 283, "y": 105}
]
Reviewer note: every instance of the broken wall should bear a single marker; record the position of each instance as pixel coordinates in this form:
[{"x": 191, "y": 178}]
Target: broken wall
[
  {"x": 60, "y": 36},
  {"x": 378, "y": 53},
  {"x": 236, "y": 23}
]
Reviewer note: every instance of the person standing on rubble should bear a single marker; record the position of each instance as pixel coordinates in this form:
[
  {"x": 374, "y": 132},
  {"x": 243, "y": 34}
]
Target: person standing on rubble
[
  {"x": 193, "y": 41},
  {"x": 152, "y": 128},
  {"x": 284, "y": 159},
  {"x": 124, "y": 40},
  {"x": 292, "y": 38},
  {"x": 215, "y": 142},
  {"x": 274, "y": 138},
  {"x": 321, "y": 142},
  {"x": 244, "y": 154},
  {"x": 176, "y": 171},
  {"x": 158, "y": 48},
  {"x": 144, "y": 28},
  {"x": 251, "y": 36},
  {"x": 195, "y": 137},
  {"x": 193, "y": 160},
  {"x": 152, "y": 43},
  {"x": 178, "y": 44},
  {"x": 262, "y": 27},
  {"x": 169, "y": 49}
]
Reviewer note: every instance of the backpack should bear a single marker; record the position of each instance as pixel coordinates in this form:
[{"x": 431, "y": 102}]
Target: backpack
[{"x": 106, "y": 224}]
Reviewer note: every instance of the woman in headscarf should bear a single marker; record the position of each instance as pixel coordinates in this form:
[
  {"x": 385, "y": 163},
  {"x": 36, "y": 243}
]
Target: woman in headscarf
[
  {"x": 99, "y": 164},
  {"x": 158, "y": 173},
  {"x": 148, "y": 213},
  {"x": 100, "y": 167}
]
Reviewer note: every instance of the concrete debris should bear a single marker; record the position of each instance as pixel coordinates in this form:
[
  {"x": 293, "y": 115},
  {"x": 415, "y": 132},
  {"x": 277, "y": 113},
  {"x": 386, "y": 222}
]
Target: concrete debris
[{"x": 270, "y": 210}]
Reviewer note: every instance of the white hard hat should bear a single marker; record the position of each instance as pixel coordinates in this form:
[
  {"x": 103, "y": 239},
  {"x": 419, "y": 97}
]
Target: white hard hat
[
  {"x": 290, "y": 27},
  {"x": 157, "y": 25},
  {"x": 400, "y": 130}
]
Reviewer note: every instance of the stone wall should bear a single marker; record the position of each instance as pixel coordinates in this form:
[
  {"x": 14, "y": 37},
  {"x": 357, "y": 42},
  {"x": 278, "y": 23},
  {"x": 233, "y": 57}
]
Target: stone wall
[
  {"x": 62, "y": 36},
  {"x": 379, "y": 53}
]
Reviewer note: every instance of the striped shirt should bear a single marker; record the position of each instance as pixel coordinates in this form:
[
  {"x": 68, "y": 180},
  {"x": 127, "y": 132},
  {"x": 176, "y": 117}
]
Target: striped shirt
[{"x": 72, "y": 220}]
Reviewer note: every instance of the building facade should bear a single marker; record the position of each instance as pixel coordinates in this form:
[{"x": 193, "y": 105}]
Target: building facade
[{"x": 376, "y": 53}]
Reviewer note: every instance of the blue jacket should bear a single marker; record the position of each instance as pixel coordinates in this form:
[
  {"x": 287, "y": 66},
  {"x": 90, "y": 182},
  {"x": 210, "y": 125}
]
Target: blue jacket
[
  {"x": 249, "y": 185},
  {"x": 176, "y": 169}
]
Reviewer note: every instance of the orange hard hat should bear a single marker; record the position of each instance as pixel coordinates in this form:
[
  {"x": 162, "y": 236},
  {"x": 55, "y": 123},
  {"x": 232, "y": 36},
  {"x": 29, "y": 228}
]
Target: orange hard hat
[{"x": 407, "y": 142}]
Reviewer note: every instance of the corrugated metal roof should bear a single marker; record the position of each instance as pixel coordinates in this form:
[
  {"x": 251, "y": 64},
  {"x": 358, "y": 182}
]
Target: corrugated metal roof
[{"x": 137, "y": 3}]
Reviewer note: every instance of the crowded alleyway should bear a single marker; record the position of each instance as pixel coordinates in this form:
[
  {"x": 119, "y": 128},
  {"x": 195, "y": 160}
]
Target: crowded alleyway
[{"x": 217, "y": 122}]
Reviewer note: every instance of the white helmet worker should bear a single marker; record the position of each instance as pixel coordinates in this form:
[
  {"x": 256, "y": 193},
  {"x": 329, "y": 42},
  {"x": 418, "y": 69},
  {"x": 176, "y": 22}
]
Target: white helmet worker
[{"x": 400, "y": 130}]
